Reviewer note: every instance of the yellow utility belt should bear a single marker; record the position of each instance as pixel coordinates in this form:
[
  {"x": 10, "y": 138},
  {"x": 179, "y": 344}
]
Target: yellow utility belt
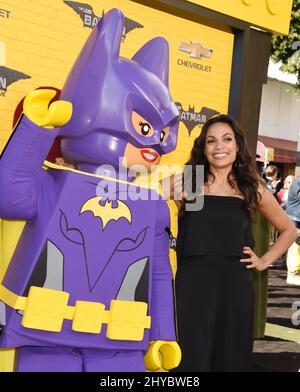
[{"x": 46, "y": 309}]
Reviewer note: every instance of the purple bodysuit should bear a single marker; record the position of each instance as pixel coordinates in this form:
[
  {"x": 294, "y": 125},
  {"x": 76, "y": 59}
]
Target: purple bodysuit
[{"x": 79, "y": 239}]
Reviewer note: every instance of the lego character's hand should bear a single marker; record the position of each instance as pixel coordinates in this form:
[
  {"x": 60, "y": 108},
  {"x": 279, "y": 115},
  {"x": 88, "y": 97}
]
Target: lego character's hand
[
  {"x": 170, "y": 355},
  {"x": 36, "y": 107}
]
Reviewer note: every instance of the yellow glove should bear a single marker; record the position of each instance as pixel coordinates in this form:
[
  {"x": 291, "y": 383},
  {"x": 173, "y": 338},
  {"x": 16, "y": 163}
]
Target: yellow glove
[
  {"x": 36, "y": 107},
  {"x": 170, "y": 353}
]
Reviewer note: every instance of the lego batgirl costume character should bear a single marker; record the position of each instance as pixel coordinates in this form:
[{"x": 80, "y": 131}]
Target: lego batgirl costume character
[{"x": 90, "y": 283}]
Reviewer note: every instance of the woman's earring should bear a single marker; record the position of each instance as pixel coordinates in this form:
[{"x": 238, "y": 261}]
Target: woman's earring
[{"x": 237, "y": 162}]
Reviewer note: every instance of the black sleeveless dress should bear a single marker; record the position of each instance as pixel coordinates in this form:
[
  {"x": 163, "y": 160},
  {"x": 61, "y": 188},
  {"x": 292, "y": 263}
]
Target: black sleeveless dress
[{"x": 214, "y": 292}]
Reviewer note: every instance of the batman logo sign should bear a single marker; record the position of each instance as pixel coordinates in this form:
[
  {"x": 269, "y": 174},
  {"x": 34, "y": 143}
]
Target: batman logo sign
[
  {"x": 90, "y": 19},
  {"x": 9, "y": 76},
  {"x": 106, "y": 212},
  {"x": 190, "y": 118}
]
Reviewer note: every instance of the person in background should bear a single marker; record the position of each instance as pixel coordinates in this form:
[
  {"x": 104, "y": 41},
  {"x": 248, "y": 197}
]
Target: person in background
[
  {"x": 261, "y": 154},
  {"x": 293, "y": 211},
  {"x": 274, "y": 183},
  {"x": 282, "y": 195}
]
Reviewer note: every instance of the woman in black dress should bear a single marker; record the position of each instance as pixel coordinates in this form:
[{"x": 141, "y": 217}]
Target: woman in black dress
[{"x": 214, "y": 291}]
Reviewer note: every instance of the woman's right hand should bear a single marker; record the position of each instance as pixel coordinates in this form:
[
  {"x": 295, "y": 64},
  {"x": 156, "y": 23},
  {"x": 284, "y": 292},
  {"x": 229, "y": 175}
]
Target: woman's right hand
[{"x": 253, "y": 260}]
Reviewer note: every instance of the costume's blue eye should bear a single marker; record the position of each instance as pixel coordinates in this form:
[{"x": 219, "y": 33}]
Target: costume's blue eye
[
  {"x": 162, "y": 136},
  {"x": 145, "y": 128}
]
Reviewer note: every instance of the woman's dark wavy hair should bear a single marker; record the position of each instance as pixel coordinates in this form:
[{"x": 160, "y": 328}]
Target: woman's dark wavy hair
[{"x": 243, "y": 176}]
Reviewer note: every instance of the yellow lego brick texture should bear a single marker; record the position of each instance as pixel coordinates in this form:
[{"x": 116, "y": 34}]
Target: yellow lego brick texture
[{"x": 272, "y": 15}]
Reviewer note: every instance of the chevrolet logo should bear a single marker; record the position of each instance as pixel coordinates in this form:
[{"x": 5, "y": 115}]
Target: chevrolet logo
[{"x": 195, "y": 50}]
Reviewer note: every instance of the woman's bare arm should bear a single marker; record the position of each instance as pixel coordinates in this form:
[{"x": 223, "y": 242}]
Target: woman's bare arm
[{"x": 270, "y": 208}]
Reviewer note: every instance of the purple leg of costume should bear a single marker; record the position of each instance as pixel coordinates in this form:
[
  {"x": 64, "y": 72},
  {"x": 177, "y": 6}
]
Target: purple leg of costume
[{"x": 67, "y": 359}]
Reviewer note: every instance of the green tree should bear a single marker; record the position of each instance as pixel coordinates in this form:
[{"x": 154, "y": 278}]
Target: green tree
[{"x": 287, "y": 48}]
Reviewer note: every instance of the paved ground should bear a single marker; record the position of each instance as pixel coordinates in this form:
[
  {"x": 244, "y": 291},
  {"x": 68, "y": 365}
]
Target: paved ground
[{"x": 279, "y": 351}]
